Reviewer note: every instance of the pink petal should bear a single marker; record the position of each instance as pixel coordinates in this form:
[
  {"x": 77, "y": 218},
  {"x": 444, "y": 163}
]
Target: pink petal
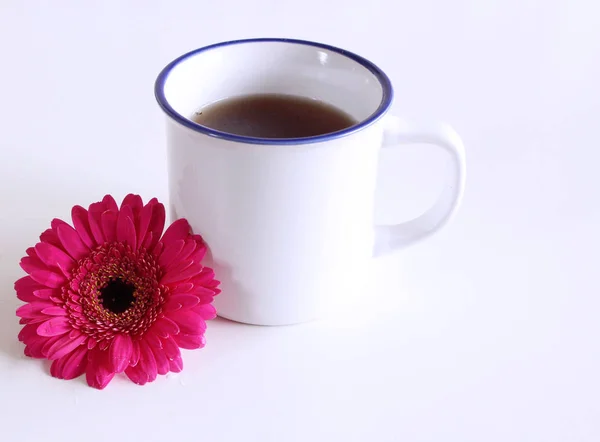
[
  {"x": 183, "y": 301},
  {"x": 51, "y": 237},
  {"x": 29, "y": 334},
  {"x": 120, "y": 352},
  {"x": 64, "y": 345},
  {"x": 178, "y": 266},
  {"x": 95, "y": 222},
  {"x": 170, "y": 252},
  {"x": 34, "y": 320},
  {"x": 72, "y": 365},
  {"x": 164, "y": 327},
  {"x": 31, "y": 252},
  {"x": 109, "y": 225},
  {"x": 91, "y": 343},
  {"x": 131, "y": 234},
  {"x": 134, "y": 201},
  {"x": 110, "y": 203},
  {"x": 206, "y": 311},
  {"x": 122, "y": 216},
  {"x": 54, "y": 327},
  {"x": 170, "y": 348},
  {"x": 137, "y": 374},
  {"x": 185, "y": 256},
  {"x": 152, "y": 339},
  {"x": 190, "y": 247},
  {"x": 203, "y": 289},
  {"x": 207, "y": 278},
  {"x": 144, "y": 222},
  {"x": 32, "y": 263},
  {"x": 172, "y": 276},
  {"x": 49, "y": 342},
  {"x": 158, "y": 248},
  {"x": 81, "y": 223},
  {"x": 72, "y": 242},
  {"x": 214, "y": 286},
  {"x": 162, "y": 363},
  {"x": 27, "y": 284},
  {"x": 148, "y": 241},
  {"x": 197, "y": 238},
  {"x": 126, "y": 228},
  {"x": 176, "y": 364},
  {"x": 204, "y": 293},
  {"x": 46, "y": 294},
  {"x": 180, "y": 229},
  {"x": 34, "y": 309},
  {"x": 55, "y": 257},
  {"x": 136, "y": 204},
  {"x": 184, "y": 287},
  {"x": 57, "y": 367},
  {"x": 97, "y": 373},
  {"x": 54, "y": 311},
  {"x": 198, "y": 254},
  {"x": 189, "y": 322},
  {"x": 48, "y": 278},
  {"x": 156, "y": 226},
  {"x": 55, "y": 223},
  {"x": 34, "y": 349},
  {"x": 135, "y": 353},
  {"x": 190, "y": 342},
  {"x": 99, "y": 379},
  {"x": 147, "y": 361},
  {"x": 25, "y": 288}
]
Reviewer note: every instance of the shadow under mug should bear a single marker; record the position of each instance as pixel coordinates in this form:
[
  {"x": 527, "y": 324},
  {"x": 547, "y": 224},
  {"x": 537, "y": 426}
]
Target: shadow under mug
[{"x": 289, "y": 222}]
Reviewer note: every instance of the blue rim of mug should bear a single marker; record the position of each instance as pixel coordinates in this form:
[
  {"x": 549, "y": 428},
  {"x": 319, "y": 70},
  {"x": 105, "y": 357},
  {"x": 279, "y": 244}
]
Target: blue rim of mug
[{"x": 386, "y": 99}]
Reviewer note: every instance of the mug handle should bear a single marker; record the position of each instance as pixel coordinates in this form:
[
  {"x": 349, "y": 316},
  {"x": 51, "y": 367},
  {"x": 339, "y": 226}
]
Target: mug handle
[{"x": 399, "y": 132}]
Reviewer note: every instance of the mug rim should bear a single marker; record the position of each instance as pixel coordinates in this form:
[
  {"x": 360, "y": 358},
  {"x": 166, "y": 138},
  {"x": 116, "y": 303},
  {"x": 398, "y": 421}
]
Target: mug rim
[{"x": 384, "y": 105}]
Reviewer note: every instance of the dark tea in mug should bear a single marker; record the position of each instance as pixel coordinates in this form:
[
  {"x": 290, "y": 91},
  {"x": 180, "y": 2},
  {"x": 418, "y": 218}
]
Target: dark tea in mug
[{"x": 273, "y": 116}]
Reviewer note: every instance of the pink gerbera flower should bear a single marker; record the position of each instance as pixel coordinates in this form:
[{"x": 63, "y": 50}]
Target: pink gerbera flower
[{"x": 110, "y": 295}]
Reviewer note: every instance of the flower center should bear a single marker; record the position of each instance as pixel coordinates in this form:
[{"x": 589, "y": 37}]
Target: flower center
[
  {"x": 117, "y": 296},
  {"x": 115, "y": 290}
]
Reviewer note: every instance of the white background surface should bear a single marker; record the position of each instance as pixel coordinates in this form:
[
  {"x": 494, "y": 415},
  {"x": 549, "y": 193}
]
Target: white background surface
[{"x": 487, "y": 332}]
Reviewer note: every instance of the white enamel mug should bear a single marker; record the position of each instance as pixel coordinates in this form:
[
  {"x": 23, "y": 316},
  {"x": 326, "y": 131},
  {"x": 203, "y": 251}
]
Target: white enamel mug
[{"x": 289, "y": 222}]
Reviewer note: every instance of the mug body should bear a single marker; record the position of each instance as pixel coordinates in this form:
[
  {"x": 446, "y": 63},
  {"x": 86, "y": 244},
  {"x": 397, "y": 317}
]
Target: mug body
[{"x": 288, "y": 222}]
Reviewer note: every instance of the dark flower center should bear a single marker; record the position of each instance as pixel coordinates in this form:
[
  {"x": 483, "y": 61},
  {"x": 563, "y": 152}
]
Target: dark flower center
[
  {"x": 115, "y": 290},
  {"x": 117, "y": 296}
]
